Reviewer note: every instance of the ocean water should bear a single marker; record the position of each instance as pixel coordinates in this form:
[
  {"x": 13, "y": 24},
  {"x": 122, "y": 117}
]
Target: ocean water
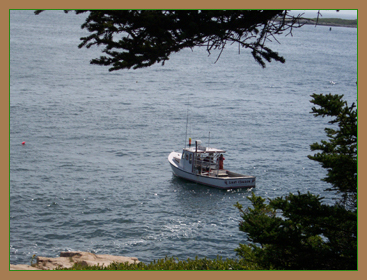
[{"x": 93, "y": 174}]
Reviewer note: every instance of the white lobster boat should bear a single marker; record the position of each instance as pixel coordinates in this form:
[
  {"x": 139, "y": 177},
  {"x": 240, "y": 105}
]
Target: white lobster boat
[{"x": 202, "y": 165}]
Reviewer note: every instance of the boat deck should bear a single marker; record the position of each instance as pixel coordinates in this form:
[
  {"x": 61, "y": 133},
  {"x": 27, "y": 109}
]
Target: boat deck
[
  {"x": 222, "y": 173},
  {"x": 216, "y": 173}
]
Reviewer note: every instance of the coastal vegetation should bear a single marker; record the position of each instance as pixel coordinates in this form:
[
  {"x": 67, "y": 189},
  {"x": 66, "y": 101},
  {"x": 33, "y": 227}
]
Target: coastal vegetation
[
  {"x": 170, "y": 263},
  {"x": 299, "y": 232}
]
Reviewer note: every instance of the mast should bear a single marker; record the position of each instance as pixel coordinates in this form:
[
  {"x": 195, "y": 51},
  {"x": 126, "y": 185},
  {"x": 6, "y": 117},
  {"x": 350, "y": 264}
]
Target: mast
[
  {"x": 187, "y": 122},
  {"x": 209, "y": 140}
]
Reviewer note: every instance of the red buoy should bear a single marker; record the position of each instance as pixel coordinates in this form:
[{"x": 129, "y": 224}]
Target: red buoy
[{"x": 23, "y": 143}]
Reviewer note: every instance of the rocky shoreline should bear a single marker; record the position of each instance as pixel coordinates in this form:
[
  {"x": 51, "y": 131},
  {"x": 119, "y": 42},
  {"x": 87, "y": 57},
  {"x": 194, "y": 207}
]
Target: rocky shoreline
[{"x": 68, "y": 259}]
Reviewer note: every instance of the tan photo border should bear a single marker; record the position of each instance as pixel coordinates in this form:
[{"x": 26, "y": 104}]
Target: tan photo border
[{"x": 163, "y": 4}]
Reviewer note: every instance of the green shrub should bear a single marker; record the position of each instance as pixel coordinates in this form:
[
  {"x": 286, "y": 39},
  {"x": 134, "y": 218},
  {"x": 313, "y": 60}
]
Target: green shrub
[{"x": 170, "y": 263}]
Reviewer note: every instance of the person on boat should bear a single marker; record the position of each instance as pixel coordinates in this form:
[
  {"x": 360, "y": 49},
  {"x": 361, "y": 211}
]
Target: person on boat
[{"x": 221, "y": 159}]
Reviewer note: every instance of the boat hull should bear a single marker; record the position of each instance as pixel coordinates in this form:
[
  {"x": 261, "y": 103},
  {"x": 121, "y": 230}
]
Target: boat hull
[{"x": 238, "y": 182}]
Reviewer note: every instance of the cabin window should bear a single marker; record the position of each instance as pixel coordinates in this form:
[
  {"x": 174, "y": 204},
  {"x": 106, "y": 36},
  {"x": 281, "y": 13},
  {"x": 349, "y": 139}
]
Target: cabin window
[
  {"x": 183, "y": 155},
  {"x": 187, "y": 156},
  {"x": 190, "y": 158}
]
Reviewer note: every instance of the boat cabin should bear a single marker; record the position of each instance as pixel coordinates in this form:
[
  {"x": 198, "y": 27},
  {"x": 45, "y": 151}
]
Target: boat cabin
[{"x": 201, "y": 160}]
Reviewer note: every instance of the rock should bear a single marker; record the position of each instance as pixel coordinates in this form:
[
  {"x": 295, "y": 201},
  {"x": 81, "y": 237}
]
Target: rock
[
  {"x": 67, "y": 260},
  {"x": 22, "y": 267}
]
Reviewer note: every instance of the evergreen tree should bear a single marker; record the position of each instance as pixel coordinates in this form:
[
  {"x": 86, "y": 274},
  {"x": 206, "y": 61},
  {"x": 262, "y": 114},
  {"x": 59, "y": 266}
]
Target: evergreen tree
[
  {"x": 338, "y": 155},
  {"x": 298, "y": 232}
]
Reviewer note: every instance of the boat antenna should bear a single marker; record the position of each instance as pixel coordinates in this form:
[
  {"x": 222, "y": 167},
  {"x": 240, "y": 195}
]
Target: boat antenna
[
  {"x": 187, "y": 121},
  {"x": 209, "y": 140}
]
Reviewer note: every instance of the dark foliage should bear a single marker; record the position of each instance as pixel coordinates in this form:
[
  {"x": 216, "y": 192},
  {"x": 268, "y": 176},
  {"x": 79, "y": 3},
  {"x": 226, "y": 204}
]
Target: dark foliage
[
  {"x": 171, "y": 264},
  {"x": 140, "y": 38},
  {"x": 338, "y": 155},
  {"x": 298, "y": 232}
]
